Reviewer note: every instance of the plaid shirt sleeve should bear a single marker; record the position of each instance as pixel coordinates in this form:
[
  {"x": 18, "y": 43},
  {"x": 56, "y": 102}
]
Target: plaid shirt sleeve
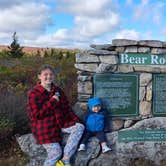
[{"x": 39, "y": 109}]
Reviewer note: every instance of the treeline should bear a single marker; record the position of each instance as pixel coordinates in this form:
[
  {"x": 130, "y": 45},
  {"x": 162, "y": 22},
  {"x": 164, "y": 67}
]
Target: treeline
[{"x": 16, "y": 51}]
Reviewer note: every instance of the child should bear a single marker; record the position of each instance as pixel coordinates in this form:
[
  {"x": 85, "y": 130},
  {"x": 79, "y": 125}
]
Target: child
[
  {"x": 51, "y": 115},
  {"x": 96, "y": 122}
]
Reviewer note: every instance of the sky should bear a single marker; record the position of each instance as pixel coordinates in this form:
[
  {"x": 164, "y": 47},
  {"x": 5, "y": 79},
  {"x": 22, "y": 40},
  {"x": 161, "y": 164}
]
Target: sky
[{"x": 80, "y": 23}]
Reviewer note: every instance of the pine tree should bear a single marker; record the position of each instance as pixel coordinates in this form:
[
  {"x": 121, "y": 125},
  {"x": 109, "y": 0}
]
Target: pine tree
[{"x": 15, "y": 50}]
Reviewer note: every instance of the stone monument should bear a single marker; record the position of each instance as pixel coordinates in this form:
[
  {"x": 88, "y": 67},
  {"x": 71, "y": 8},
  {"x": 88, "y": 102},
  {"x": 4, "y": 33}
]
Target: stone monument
[{"x": 130, "y": 78}]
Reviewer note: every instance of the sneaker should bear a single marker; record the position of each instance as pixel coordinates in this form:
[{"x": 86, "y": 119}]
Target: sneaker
[
  {"x": 60, "y": 163},
  {"x": 106, "y": 149},
  {"x": 81, "y": 147}
]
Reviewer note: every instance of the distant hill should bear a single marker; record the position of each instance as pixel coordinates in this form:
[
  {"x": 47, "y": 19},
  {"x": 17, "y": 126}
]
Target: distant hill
[{"x": 34, "y": 50}]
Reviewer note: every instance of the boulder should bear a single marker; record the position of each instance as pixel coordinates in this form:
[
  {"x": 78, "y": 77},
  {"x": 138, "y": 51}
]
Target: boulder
[{"x": 122, "y": 152}]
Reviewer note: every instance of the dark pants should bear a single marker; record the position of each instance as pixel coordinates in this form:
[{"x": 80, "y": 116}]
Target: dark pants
[{"x": 99, "y": 134}]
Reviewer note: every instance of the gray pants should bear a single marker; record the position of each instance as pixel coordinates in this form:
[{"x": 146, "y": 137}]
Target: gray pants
[{"x": 54, "y": 150}]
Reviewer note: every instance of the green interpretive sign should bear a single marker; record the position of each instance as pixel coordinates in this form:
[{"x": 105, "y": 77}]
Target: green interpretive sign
[
  {"x": 142, "y": 135},
  {"x": 159, "y": 94},
  {"x": 142, "y": 59},
  {"x": 119, "y": 93}
]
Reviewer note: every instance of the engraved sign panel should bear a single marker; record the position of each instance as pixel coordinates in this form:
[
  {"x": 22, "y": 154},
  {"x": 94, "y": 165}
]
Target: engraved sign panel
[
  {"x": 159, "y": 94},
  {"x": 119, "y": 93},
  {"x": 142, "y": 135}
]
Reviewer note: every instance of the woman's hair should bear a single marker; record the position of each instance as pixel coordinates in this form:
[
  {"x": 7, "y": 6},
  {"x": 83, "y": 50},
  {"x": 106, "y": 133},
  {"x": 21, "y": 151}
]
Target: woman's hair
[{"x": 44, "y": 67}]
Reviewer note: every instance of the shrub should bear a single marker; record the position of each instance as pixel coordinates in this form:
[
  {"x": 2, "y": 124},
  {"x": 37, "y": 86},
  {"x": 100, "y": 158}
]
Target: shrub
[
  {"x": 13, "y": 115},
  {"x": 3, "y": 54},
  {"x": 6, "y": 131},
  {"x": 6, "y": 125}
]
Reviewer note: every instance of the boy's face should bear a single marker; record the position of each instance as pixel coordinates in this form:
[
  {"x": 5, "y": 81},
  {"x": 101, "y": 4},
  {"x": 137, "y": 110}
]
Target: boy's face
[{"x": 96, "y": 108}]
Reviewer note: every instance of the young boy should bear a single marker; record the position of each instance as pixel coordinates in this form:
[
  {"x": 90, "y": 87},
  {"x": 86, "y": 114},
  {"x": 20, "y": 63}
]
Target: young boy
[{"x": 96, "y": 122}]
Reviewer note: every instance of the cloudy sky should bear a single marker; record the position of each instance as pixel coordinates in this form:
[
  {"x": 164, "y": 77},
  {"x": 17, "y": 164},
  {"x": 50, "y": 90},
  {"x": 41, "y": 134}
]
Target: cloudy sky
[{"x": 79, "y": 23}]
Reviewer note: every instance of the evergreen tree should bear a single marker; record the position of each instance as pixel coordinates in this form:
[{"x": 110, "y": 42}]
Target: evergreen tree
[
  {"x": 68, "y": 54},
  {"x": 60, "y": 55},
  {"x": 15, "y": 50},
  {"x": 52, "y": 52},
  {"x": 46, "y": 53}
]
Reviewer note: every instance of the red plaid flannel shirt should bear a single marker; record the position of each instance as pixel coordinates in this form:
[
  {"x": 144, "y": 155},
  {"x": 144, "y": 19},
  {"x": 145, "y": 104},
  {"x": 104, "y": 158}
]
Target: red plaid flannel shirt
[{"x": 47, "y": 115}]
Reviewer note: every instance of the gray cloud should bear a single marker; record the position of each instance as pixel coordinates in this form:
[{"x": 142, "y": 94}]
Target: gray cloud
[
  {"x": 85, "y": 7},
  {"x": 7, "y": 4},
  {"x": 29, "y": 20}
]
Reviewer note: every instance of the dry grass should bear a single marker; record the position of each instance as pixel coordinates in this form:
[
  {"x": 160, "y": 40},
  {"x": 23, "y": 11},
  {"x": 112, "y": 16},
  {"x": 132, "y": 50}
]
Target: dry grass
[
  {"x": 13, "y": 161},
  {"x": 13, "y": 156}
]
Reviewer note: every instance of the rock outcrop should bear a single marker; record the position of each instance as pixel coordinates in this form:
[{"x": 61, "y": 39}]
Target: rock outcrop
[{"x": 122, "y": 152}]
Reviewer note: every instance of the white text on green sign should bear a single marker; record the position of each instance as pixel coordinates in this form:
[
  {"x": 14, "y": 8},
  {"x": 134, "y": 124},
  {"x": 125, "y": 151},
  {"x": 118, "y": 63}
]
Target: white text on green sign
[
  {"x": 142, "y": 59},
  {"x": 142, "y": 135}
]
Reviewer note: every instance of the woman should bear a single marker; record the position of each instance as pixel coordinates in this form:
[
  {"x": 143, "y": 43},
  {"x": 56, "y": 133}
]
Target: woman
[{"x": 50, "y": 114}]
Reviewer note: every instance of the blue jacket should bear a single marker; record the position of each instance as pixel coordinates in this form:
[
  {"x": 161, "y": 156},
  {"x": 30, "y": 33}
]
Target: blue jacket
[{"x": 96, "y": 121}]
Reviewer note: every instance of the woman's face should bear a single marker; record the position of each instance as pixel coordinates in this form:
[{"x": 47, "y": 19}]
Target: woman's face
[{"x": 46, "y": 77}]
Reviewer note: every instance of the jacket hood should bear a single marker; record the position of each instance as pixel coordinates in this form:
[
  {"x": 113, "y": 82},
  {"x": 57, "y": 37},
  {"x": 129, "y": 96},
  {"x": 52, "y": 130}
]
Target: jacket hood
[{"x": 93, "y": 102}]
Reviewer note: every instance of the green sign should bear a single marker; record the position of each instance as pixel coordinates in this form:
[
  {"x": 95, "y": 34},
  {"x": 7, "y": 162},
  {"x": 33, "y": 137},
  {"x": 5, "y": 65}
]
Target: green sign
[
  {"x": 119, "y": 93},
  {"x": 142, "y": 135},
  {"x": 142, "y": 59},
  {"x": 159, "y": 94}
]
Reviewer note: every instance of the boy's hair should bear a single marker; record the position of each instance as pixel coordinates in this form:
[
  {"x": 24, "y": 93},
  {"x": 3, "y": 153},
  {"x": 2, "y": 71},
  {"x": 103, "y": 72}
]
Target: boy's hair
[{"x": 44, "y": 67}]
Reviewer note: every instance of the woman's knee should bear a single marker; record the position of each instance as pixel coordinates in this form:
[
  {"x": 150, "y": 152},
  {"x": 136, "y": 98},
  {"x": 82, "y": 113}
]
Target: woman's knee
[{"x": 80, "y": 125}]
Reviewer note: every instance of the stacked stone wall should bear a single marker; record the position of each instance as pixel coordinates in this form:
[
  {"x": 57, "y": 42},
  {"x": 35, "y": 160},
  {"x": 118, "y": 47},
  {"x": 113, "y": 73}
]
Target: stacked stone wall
[{"x": 105, "y": 59}]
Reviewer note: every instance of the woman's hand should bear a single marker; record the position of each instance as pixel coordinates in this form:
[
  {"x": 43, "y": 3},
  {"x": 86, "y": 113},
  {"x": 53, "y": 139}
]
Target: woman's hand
[{"x": 56, "y": 96}]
